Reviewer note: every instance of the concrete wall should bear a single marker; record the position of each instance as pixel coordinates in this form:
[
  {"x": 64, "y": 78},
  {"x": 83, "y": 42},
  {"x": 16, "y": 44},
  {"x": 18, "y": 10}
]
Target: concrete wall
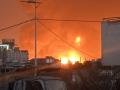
[{"x": 110, "y": 43}]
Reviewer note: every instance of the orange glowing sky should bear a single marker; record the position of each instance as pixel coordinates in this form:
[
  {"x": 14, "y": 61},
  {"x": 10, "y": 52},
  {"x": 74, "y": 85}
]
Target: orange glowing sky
[{"x": 12, "y": 12}]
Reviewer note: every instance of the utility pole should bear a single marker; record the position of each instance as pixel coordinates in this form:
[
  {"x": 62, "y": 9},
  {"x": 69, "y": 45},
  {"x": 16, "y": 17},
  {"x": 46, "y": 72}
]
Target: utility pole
[{"x": 35, "y": 3}]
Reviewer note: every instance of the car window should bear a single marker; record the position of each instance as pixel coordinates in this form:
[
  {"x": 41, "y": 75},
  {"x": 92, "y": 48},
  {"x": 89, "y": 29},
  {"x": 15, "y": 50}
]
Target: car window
[
  {"x": 55, "y": 85},
  {"x": 33, "y": 85},
  {"x": 27, "y": 85}
]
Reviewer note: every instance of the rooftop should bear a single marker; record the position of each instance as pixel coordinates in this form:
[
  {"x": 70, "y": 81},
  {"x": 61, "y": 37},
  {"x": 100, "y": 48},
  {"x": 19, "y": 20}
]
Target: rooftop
[{"x": 112, "y": 19}]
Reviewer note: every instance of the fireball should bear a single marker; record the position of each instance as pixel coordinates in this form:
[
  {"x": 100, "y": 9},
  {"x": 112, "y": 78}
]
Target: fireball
[
  {"x": 77, "y": 40},
  {"x": 72, "y": 57},
  {"x": 64, "y": 60}
]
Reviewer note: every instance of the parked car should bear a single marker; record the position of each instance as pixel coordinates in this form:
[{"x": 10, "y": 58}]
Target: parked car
[{"x": 40, "y": 83}]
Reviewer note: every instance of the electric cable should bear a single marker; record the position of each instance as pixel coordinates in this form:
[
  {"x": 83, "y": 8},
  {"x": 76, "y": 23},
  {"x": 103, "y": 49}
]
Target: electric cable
[
  {"x": 67, "y": 42},
  {"x": 3, "y": 29},
  {"x": 70, "y": 20},
  {"x": 61, "y": 20},
  {"x": 15, "y": 25}
]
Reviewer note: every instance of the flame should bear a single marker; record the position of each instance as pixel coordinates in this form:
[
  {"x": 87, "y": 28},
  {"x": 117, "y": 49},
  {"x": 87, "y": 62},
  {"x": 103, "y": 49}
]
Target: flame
[
  {"x": 64, "y": 60},
  {"x": 78, "y": 40},
  {"x": 73, "y": 57}
]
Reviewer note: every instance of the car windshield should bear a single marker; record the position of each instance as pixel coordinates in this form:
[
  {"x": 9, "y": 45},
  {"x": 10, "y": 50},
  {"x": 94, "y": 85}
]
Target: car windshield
[
  {"x": 55, "y": 85},
  {"x": 33, "y": 85}
]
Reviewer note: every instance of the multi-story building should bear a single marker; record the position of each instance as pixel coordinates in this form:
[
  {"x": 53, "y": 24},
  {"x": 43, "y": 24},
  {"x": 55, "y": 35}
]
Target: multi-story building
[
  {"x": 110, "y": 41},
  {"x": 3, "y": 50},
  {"x": 11, "y": 54}
]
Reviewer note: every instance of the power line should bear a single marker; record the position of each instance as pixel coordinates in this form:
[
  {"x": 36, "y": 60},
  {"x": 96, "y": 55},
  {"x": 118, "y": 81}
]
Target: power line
[
  {"x": 15, "y": 25},
  {"x": 66, "y": 41},
  {"x": 3, "y": 29},
  {"x": 61, "y": 20},
  {"x": 71, "y": 20}
]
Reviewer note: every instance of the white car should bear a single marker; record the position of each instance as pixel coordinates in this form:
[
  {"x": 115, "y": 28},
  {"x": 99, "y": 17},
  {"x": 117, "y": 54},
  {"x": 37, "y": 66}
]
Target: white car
[{"x": 40, "y": 83}]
